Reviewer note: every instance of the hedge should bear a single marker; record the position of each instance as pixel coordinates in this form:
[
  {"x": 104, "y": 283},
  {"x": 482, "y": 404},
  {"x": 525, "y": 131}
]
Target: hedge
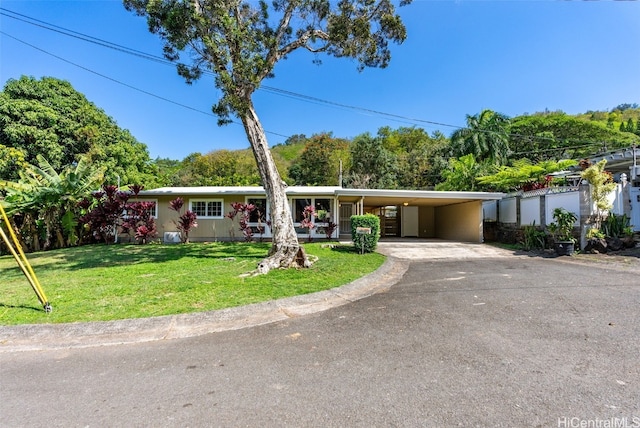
[{"x": 365, "y": 242}]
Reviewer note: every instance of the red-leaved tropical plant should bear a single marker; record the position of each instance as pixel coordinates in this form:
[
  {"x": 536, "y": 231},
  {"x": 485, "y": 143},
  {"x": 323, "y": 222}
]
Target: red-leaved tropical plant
[
  {"x": 110, "y": 212},
  {"x": 104, "y": 213},
  {"x": 139, "y": 220},
  {"x": 243, "y": 212},
  {"x": 186, "y": 221},
  {"x": 308, "y": 214}
]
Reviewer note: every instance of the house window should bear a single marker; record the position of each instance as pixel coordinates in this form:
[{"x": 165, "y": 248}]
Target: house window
[
  {"x": 323, "y": 210},
  {"x": 206, "y": 208},
  {"x": 298, "y": 209},
  {"x": 260, "y": 213},
  {"x": 322, "y": 215}
]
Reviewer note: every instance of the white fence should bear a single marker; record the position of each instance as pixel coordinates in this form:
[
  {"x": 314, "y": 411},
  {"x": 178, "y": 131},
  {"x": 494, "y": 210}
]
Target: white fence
[{"x": 536, "y": 207}]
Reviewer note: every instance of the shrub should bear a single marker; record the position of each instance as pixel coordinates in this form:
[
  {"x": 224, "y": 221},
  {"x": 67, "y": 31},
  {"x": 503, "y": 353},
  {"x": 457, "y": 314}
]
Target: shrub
[
  {"x": 533, "y": 238},
  {"x": 365, "y": 242},
  {"x": 617, "y": 226},
  {"x": 562, "y": 227},
  {"x": 307, "y": 222}
]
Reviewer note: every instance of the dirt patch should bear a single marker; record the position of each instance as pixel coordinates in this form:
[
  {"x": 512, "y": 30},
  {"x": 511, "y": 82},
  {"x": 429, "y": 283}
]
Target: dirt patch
[{"x": 624, "y": 259}]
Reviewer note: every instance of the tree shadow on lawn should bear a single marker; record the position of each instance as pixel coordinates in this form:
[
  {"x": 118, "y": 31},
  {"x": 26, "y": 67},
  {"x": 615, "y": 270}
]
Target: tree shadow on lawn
[
  {"x": 350, "y": 249},
  {"x": 101, "y": 255}
]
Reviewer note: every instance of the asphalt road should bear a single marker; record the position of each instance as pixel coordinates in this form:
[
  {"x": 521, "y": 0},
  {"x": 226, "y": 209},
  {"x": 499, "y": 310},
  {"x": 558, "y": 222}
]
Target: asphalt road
[{"x": 488, "y": 342}]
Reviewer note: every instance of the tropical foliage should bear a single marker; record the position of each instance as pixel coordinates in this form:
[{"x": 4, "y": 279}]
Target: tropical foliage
[
  {"x": 44, "y": 203},
  {"x": 48, "y": 117},
  {"x": 462, "y": 174},
  {"x": 186, "y": 220},
  {"x": 602, "y": 185},
  {"x": 486, "y": 137},
  {"x": 524, "y": 175},
  {"x": 110, "y": 214}
]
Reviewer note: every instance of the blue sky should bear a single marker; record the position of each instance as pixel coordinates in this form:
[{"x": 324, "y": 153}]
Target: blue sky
[{"x": 460, "y": 57}]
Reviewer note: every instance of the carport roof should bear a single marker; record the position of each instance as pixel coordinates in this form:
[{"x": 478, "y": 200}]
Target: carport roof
[
  {"x": 372, "y": 197},
  {"x": 382, "y": 197},
  {"x": 619, "y": 160}
]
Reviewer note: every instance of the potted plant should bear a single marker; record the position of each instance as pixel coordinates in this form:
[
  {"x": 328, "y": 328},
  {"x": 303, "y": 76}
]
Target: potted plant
[{"x": 562, "y": 231}]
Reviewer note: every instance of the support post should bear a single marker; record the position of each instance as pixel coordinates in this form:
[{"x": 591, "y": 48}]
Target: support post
[{"x": 18, "y": 254}]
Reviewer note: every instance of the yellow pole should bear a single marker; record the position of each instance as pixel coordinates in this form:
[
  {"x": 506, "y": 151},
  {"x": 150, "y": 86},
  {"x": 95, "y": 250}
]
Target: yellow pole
[{"x": 22, "y": 261}]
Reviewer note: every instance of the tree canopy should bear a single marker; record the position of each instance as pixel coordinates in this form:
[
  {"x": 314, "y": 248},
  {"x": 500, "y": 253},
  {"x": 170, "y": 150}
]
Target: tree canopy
[
  {"x": 319, "y": 162},
  {"x": 48, "y": 117},
  {"x": 240, "y": 42},
  {"x": 560, "y": 136}
]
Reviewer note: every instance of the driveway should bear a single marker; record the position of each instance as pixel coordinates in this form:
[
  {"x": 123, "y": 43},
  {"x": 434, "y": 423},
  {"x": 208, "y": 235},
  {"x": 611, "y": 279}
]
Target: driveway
[
  {"x": 433, "y": 249},
  {"x": 483, "y": 341}
]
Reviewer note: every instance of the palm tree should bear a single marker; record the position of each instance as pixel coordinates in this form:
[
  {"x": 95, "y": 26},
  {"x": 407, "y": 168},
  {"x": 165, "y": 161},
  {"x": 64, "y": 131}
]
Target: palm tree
[
  {"x": 486, "y": 137},
  {"x": 43, "y": 194}
]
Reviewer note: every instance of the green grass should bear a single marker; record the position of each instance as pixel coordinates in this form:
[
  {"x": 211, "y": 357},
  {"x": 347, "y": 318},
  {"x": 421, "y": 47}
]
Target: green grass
[{"x": 108, "y": 282}]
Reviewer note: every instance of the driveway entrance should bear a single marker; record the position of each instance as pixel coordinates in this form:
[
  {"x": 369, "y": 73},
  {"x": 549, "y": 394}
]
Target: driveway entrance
[{"x": 430, "y": 249}]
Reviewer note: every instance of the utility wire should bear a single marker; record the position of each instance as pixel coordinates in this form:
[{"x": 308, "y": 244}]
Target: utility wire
[
  {"x": 281, "y": 92},
  {"x": 126, "y": 84}
]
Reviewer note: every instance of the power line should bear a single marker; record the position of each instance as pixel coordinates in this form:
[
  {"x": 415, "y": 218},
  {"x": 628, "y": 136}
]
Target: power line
[
  {"x": 126, "y": 84},
  {"x": 277, "y": 91},
  {"x": 282, "y": 92}
]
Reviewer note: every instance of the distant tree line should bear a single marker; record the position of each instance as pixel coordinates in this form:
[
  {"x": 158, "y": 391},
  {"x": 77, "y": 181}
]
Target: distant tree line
[{"x": 54, "y": 143}]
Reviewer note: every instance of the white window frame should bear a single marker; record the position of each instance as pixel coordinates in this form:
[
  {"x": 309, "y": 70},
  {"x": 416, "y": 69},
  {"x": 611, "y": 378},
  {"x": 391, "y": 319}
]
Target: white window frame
[
  {"x": 207, "y": 201},
  {"x": 318, "y": 223}
]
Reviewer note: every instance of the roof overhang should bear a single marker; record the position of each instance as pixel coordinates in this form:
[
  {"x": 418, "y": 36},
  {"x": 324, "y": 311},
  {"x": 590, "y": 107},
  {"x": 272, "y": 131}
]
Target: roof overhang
[
  {"x": 370, "y": 197},
  {"x": 382, "y": 197},
  {"x": 236, "y": 190},
  {"x": 618, "y": 160}
]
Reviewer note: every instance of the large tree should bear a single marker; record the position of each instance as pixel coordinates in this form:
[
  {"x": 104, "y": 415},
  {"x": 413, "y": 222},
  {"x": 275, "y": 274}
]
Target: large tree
[
  {"x": 420, "y": 157},
  {"x": 320, "y": 161},
  {"x": 485, "y": 137},
  {"x": 48, "y": 117},
  {"x": 373, "y": 166},
  {"x": 240, "y": 42}
]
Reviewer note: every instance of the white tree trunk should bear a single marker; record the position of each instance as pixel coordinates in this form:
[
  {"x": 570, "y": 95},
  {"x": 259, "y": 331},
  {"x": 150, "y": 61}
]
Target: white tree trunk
[{"x": 285, "y": 249}]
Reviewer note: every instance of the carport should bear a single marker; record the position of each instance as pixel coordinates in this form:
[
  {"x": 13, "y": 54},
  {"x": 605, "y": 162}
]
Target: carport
[{"x": 416, "y": 213}]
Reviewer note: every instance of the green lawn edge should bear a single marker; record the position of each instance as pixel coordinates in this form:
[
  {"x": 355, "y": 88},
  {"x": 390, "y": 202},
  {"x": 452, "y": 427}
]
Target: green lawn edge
[{"x": 124, "y": 281}]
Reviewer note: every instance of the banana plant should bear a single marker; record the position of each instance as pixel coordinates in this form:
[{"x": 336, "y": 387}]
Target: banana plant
[{"x": 44, "y": 195}]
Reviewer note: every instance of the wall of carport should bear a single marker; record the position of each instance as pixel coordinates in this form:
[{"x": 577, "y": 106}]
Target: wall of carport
[{"x": 459, "y": 222}]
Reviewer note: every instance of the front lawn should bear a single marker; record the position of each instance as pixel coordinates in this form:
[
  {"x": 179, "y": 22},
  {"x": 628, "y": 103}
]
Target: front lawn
[{"x": 108, "y": 282}]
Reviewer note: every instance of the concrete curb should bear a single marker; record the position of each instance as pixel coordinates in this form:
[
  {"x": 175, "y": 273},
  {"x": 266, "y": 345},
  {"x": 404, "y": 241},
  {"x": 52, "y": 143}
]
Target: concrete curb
[{"x": 35, "y": 337}]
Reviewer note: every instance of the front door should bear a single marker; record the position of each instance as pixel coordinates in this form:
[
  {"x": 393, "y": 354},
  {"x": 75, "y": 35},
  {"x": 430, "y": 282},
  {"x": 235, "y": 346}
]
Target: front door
[
  {"x": 409, "y": 221},
  {"x": 346, "y": 211}
]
